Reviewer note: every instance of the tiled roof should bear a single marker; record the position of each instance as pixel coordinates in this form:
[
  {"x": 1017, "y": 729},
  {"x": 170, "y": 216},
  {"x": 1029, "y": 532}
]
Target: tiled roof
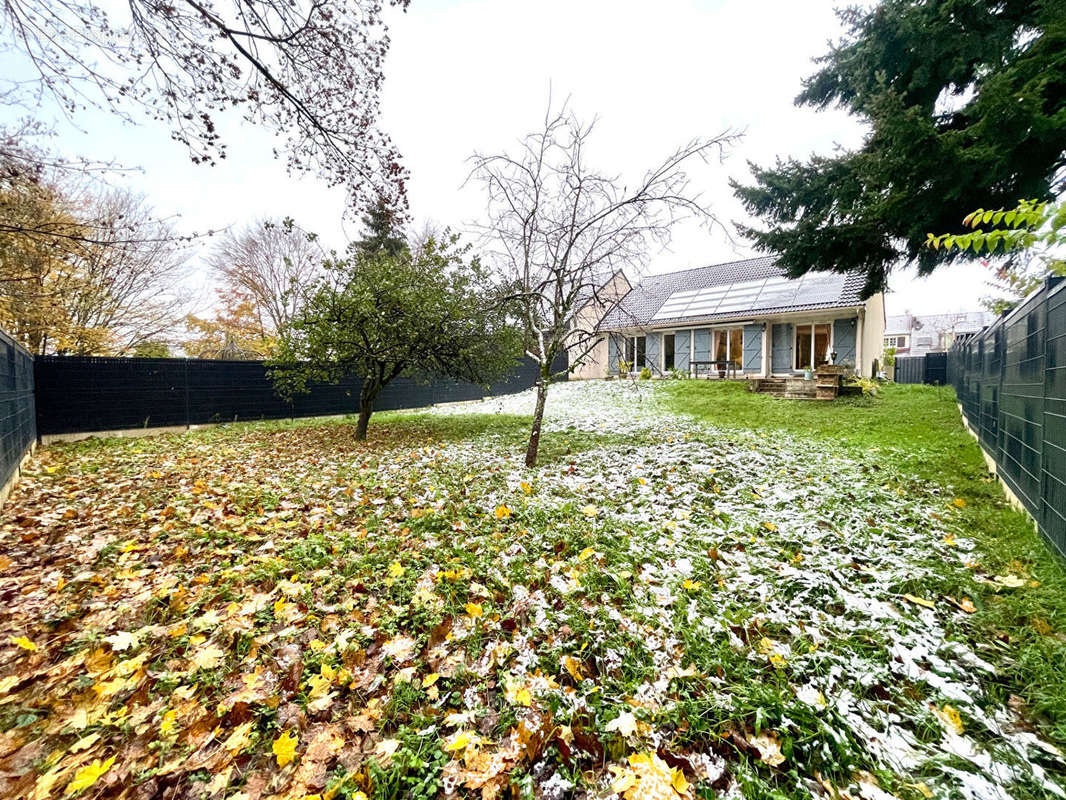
[
  {"x": 961, "y": 322},
  {"x": 641, "y": 305}
]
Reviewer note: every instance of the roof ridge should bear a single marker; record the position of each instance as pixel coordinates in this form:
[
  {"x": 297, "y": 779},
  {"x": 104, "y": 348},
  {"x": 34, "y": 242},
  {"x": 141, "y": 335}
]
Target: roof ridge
[{"x": 709, "y": 266}]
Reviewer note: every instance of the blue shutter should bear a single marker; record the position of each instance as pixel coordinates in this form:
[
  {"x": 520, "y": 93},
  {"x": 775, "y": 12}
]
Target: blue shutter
[
  {"x": 653, "y": 347},
  {"x": 753, "y": 348},
  {"x": 844, "y": 341},
  {"x": 781, "y": 348},
  {"x": 682, "y": 340},
  {"x": 615, "y": 353},
  {"x": 703, "y": 345}
]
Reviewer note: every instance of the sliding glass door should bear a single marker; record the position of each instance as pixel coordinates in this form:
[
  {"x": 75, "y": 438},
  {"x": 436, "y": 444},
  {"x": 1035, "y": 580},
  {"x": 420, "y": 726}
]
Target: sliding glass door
[
  {"x": 812, "y": 345},
  {"x": 729, "y": 345}
]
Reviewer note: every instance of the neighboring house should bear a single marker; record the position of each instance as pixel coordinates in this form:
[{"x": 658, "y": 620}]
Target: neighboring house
[
  {"x": 747, "y": 312},
  {"x": 589, "y": 311},
  {"x": 932, "y": 333}
]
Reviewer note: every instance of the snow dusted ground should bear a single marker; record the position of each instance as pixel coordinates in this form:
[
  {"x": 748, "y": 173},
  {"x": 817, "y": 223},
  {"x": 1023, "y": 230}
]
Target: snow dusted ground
[{"x": 811, "y": 565}]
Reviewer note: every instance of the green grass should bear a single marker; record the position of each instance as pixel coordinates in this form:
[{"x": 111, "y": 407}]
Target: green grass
[{"x": 915, "y": 435}]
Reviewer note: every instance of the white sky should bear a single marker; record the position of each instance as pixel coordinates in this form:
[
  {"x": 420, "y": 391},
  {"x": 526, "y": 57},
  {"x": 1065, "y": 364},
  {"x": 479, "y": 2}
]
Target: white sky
[{"x": 475, "y": 74}]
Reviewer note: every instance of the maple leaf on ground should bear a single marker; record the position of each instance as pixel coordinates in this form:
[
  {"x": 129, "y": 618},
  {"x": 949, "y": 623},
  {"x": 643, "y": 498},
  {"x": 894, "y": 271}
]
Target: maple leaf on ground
[
  {"x": 284, "y": 748},
  {"x": 769, "y": 748},
  {"x": 123, "y": 640},
  {"x": 88, "y": 775},
  {"x": 648, "y": 776},
  {"x": 207, "y": 657},
  {"x": 399, "y": 648}
]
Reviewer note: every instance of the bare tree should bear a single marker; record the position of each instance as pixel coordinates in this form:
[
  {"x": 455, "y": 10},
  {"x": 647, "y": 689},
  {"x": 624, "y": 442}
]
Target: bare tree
[
  {"x": 309, "y": 69},
  {"x": 272, "y": 262},
  {"x": 560, "y": 227},
  {"x": 87, "y": 271},
  {"x": 133, "y": 294}
]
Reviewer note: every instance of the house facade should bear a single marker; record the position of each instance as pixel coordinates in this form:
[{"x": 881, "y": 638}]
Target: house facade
[
  {"x": 914, "y": 335},
  {"x": 745, "y": 314},
  {"x": 589, "y": 313}
]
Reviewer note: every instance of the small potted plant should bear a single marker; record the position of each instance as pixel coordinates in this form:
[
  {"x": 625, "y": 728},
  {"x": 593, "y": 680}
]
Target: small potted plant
[{"x": 808, "y": 373}]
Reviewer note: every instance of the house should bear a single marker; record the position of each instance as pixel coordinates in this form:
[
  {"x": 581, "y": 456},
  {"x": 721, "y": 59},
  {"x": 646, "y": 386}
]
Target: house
[
  {"x": 932, "y": 333},
  {"x": 589, "y": 310},
  {"x": 745, "y": 312}
]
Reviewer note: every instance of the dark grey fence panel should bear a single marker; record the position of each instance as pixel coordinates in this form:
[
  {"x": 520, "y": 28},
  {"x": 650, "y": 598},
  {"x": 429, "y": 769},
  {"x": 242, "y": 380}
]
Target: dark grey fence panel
[
  {"x": 1011, "y": 384},
  {"x": 18, "y": 429},
  {"x": 78, "y": 395},
  {"x": 931, "y": 368},
  {"x": 910, "y": 369}
]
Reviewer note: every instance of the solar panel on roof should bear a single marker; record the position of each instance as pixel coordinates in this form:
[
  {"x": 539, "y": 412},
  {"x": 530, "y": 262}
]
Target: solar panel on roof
[{"x": 748, "y": 296}]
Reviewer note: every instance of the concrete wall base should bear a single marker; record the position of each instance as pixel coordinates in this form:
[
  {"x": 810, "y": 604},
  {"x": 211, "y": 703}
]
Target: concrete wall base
[
  {"x": 993, "y": 468},
  {"x": 7, "y": 487}
]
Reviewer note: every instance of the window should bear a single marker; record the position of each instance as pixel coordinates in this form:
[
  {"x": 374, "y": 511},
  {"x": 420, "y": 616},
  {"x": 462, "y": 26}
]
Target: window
[
  {"x": 636, "y": 352},
  {"x": 729, "y": 345},
  {"x": 812, "y": 345},
  {"x": 895, "y": 341},
  {"x": 668, "y": 351}
]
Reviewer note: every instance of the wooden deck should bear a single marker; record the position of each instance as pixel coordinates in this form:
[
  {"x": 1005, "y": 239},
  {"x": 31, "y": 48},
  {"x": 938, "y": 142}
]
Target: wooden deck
[{"x": 824, "y": 386}]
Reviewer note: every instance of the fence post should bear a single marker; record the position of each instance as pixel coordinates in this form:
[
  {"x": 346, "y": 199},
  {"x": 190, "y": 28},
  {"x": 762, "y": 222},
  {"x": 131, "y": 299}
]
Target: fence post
[{"x": 188, "y": 422}]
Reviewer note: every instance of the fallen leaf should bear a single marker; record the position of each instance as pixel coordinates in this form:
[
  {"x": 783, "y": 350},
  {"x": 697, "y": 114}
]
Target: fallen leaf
[
  {"x": 88, "y": 775},
  {"x": 284, "y": 748}
]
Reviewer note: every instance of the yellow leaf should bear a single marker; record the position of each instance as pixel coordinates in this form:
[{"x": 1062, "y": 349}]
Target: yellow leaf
[
  {"x": 430, "y": 679},
  {"x": 958, "y": 502},
  {"x": 770, "y": 526},
  {"x": 691, "y": 585},
  {"x": 679, "y": 783},
  {"x": 919, "y": 601},
  {"x": 207, "y": 657},
  {"x": 88, "y": 775},
  {"x": 220, "y": 781},
  {"x": 169, "y": 723},
  {"x": 284, "y": 748},
  {"x": 517, "y": 694},
  {"x": 923, "y": 789},
  {"x": 573, "y": 666},
  {"x": 396, "y": 569},
  {"x": 590, "y": 510},
  {"x": 502, "y": 512},
  {"x": 240, "y": 738},
  {"x": 319, "y": 685},
  {"x": 623, "y": 782},
  {"x": 586, "y": 554},
  {"x": 1010, "y": 581},
  {"x": 949, "y": 717},
  {"x": 23, "y": 642},
  {"x": 474, "y": 610},
  {"x": 769, "y": 748},
  {"x": 526, "y": 487},
  {"x": 460, "y": 740}
]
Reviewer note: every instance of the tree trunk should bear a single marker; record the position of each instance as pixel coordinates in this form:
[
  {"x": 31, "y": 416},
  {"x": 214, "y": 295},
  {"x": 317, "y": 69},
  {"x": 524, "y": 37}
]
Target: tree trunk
[
  {"x": 538, "y": 417},
  {"x": 367, "y": 395}
]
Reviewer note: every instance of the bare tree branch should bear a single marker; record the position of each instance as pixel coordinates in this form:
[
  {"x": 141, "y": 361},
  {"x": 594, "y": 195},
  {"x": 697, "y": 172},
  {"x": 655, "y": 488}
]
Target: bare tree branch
[{"x": 558, "y": 230}]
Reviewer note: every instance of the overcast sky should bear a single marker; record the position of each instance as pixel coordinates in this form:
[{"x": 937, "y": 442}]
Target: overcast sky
[{"x": 475, "y": 74}]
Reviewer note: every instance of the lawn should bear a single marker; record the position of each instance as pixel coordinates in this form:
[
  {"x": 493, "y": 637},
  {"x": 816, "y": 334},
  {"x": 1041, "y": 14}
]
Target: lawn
[{"x": 697, "y": 593}]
